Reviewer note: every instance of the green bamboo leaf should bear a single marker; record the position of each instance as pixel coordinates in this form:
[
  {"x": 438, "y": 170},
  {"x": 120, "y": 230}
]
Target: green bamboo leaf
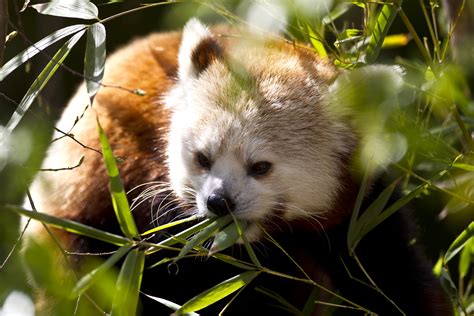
[
  {"x": 382, "y": 25},
  {"x": 459, "y": 243},
  {"x": 119, "y": 198},
  {"x": 316, "y": 42},
  {"x": 225, "y": 238},
  {"x": 94, "y": 60},
  {"x": 391, "y": 210},
  {"x": 34, "y": 49},
  {"x": 168, "y": 225},
  {"x": 217, "y": 292},
  {"x": 465, "y": 259},
  {"x": 128, "y": 284},
  {"x": 185, "y": 233},
  {"x": 233, "y": 261},
  {"x": 39, "y": 84},
  {"x": 87, "y": 280},
  {"x": 449, "y": 286},
  {"x": 371, "y": 214},
  {"x": 463, "y": 166},
  {"x": 354, "y": 227},
  {"x": 396, "y": 40},
  {"x": 69, "y": 226},
  {"x": 203, "y": 235},
  {"x": 169, "y": 304},
  {"x": 339, "y": 10},
  {"x": 77, "y": 9}
]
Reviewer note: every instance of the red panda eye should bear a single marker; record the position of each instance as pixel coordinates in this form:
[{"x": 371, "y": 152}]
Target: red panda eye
[
  {"x": 260, "y": 168},
  {"x": 203, "y": 161}
]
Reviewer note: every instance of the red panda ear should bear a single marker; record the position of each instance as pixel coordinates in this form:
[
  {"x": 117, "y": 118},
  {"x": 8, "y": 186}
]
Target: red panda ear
[{"x": 197, "y": 51}]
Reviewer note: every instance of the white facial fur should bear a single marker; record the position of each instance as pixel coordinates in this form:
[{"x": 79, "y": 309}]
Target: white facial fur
[{"x": 273, "y": 112}]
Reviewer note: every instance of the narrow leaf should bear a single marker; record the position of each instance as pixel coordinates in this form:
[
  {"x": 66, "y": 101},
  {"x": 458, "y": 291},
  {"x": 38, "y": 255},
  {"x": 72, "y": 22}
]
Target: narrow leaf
[
  {"x": 396, "y": 40},
  {"x": 218, "y": 292},
  {"x": 68, "y": 225},
  {"x": 87, "y": 280},
  {"x": 317, "y": 43},
  {"x": 203, "y": 235},
  {"x": 384, "y": 21},
  {"x": 78, "y": 9},
  {"x": 463, "y": 166},
  {"x": 168, "y": 225},
  {"x": 167, "y": 303},
  {"x": 339, "y": 10},
  {"x": 34, "y": 49},
  {"x": 459, "y": 242},
  {"x": 185, "y": 233},
  {"x": 225, "y": 238},
  {"x": 128, "y": 284},
  {"x": 40, "y": 83},
  {"x": 119, "y": 198},
  {"x": 354, "y": 228},
  {"x": 465, "y": 259},
  {"x": 371, "y": 214},
  {"x": 94, "y": 60}
]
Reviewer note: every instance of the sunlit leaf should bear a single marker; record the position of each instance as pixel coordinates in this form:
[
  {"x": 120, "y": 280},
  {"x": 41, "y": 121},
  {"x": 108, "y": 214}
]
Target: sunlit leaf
[
  {"x": 465, "y": 259},
  {"x": 68, "y": 225},
  {"x": 169, "y": 304},
  {"x": 459, "y": 242},
  {"x": 128, "y": 284},
  {"x": 339, "y": 10},
  {"x": 78, "y": 9},
  {"x": 218, "y": 292},
  {"x": 463, "y": 166},
  {"x": 87, "y": 280},
  {"x": 316, "y": 42},
  {"x": 94, "y": 60},
  {"x": 203, "y": 235},
  {"x": 396, "y": 40},
  {"x": 168, "y": 225},
  {"x": 225, "y": 238},
  {"x": 119, "y": 198},
  {"x": 34, "y": 49},
  {"x": 382, "y": 25},
  {"x": 40, "y": 83}
]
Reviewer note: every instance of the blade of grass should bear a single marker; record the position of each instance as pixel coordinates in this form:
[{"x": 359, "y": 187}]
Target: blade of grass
[
  {"x": 218, "y": 292},
  {"x": 119, "y": 198},
  {"x": 40, "y": 83},
  {"x": 128, "y": 284},
  {"x": 34, "y": 49},
  {"x": 69, "y": 226},
  {"x": 94, "y": 60},
  {"x": 87, "y": 280}
]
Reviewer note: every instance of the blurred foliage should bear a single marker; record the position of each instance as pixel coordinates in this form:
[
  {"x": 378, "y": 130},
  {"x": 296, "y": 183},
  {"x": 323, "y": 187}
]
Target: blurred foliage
[{"x": 415, "y": 115}]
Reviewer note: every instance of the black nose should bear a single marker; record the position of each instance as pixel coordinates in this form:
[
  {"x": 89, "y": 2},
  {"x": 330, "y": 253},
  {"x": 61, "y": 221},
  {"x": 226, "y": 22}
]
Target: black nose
[{"x": 219, "y": 203}]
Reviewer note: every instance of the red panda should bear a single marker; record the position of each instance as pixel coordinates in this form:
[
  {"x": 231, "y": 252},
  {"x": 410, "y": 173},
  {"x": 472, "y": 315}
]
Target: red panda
[{"x": 239, "y": 126}]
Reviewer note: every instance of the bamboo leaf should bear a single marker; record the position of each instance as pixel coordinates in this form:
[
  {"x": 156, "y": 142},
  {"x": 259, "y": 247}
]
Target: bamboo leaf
[
  {"x": 119, "y": 198},
  {"x": 169, "y": 304},
  {"x": 382, "y": 25},
  {"x": 40, "y": 83},
  {"x": 87, "y": 280},
  {"x": 225, "y": 238},
  {"x": 77, "y": 9},
  {"x": 459, "y": 243},
  {"x": 34, "y": 49},
  {"x": 203, "y": 235},
  {"x": 316, "y": 42},
  {"x": 218, "y": 292},
  {"x": 371, "y": 214},
  {"x": 339, "y": 10},
  {"x": 465, "y": 259},
  {"x": 396, "y": 40},
  {"x": 128, "y": 284},
  {"x": 69, "y": 226},
  {"x": 185, "y": 233},
  {"x": 168, "y": 225},
  {"x": 94, "y": 60},
  {"x": 463, "y": 166}
]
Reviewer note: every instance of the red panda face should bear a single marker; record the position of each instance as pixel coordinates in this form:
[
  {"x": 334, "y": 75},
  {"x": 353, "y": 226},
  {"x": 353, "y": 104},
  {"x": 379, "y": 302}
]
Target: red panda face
[{"x": 250, "y": 133}]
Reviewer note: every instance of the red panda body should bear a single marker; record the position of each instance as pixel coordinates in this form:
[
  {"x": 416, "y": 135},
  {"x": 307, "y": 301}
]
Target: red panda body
[{"x": 138, "y": 128}]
